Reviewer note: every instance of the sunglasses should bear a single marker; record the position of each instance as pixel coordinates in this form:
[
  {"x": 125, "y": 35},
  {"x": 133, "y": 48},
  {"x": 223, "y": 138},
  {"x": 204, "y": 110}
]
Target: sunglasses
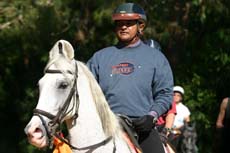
[{"x": 127, "y": 23}]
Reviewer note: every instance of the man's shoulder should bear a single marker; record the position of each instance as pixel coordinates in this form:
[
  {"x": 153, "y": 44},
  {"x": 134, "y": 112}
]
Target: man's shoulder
[
  {"x": 152, "y": 52},
  {"x": 105, "y": 51},
  {"x": 149, "y": 48}
]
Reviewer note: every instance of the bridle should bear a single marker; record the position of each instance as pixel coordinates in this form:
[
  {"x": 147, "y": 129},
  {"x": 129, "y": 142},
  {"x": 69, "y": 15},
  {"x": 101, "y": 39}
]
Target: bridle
[{"x": 56, "y": 120}]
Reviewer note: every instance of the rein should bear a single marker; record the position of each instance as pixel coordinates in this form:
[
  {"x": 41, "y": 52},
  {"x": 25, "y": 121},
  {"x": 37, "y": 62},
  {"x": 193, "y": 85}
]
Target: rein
[
  {"x": 58, "y": 118},
  {"x": 91, "y": 147}
]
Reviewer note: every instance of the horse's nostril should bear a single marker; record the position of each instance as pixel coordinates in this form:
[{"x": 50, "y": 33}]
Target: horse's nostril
[
  {"x": 37, "y": 130},
  {"x": 38, "y": 133}
]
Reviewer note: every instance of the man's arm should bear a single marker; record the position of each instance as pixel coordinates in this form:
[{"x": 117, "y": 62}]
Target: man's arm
[
  {"x": 162, "y": 87},
  {"x": 92, "y": 65},
  {"x": 220, "y": 119}
]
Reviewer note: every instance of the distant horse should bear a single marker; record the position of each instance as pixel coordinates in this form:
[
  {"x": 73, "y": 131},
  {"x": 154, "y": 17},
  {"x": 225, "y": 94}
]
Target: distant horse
[
  {"x": 188, "y": 144},
  {"x": 69, "y": 92}
]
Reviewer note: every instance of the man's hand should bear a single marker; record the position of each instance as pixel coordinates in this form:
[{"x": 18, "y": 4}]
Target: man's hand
[{"x": 144, "y": 123}]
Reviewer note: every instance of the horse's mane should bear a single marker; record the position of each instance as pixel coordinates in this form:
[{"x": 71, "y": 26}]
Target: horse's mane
[{"x": 108, "y": 119}]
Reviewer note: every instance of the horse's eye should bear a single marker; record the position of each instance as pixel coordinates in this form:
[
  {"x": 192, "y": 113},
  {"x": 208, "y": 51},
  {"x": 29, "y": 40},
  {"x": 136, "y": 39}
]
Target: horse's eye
[{"x": 63, "y": 85}]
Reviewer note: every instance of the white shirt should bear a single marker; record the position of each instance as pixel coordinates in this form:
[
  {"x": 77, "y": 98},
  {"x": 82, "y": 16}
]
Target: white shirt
[{"x": 182, "y": 112}]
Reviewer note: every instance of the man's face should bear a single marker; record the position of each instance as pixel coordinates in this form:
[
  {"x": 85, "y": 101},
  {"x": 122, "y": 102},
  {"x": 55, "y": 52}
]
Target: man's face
[
  {"x": 177, "y": 97},
  {"x": 126, "y": 30}
]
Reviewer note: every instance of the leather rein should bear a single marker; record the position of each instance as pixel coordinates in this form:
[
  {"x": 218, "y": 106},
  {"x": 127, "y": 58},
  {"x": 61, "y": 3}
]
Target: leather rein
[{"x": 57, "y": 119}]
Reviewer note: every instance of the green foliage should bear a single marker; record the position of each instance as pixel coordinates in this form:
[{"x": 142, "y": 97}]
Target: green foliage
[{"x": 194, "y": 35}]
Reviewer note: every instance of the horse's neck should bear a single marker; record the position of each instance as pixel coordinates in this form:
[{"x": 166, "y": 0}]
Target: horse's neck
[
  {"x": 87, "y": 128},
  {"x": 88, "y": 132}
]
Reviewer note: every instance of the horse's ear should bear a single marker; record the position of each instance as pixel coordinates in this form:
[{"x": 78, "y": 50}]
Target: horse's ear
[
  {"x": 68, "y": 50},
  {"x": 64, "y": 48}
]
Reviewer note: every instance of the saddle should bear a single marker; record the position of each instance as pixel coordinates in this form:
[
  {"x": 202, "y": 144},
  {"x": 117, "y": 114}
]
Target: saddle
[{"x": 129, "y": 132}]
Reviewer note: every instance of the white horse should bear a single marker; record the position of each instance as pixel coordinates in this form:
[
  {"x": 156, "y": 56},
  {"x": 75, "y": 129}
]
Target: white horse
[{"x": 69, "y": 92}]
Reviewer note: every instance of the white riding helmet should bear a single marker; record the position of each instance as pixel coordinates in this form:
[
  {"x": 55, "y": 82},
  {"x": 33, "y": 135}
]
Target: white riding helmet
[{"x": 178, "y": 89}]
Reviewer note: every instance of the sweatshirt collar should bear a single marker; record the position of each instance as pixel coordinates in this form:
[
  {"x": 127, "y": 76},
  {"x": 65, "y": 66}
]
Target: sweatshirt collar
[{"x": 121, "y": 45}]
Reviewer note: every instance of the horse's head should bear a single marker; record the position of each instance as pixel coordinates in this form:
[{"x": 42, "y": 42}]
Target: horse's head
[
  {"x": 188, "y": 144},
  {"x": 57, "y": 95}
]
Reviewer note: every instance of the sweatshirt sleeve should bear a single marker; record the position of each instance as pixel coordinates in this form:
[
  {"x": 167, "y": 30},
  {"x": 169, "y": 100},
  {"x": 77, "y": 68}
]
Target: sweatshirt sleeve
[
  {"x": 93, "y": 66},
  {"x": 162, "y": 87}
]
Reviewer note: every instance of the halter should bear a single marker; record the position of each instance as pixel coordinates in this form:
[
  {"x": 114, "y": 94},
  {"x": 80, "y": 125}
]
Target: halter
[{"x": 59, "y": 117}]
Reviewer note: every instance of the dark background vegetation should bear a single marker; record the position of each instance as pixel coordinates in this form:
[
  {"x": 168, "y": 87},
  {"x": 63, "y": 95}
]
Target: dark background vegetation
[{"x": 194, "y": 35}]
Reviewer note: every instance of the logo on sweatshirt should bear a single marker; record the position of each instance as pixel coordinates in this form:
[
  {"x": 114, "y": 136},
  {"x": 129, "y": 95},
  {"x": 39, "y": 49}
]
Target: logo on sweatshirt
[{"x": 123, "y": 68}]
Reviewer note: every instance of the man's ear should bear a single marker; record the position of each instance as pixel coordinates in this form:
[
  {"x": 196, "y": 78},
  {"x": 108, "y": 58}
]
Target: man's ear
[{"x": 141, "y": 27}]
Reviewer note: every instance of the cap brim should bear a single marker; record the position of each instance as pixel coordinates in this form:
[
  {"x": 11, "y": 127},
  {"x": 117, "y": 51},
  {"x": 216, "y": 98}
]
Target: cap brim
[{"x": 126, "y": 16}]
